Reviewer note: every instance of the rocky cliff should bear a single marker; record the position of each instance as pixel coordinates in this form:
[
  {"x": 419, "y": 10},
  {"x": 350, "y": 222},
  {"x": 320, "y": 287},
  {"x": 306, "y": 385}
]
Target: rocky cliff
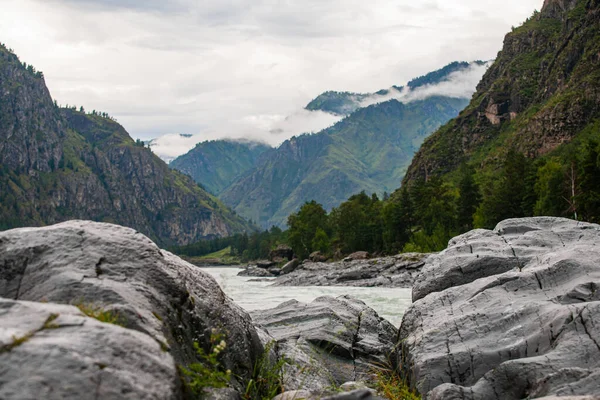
[
  {"x": 59, "y": 164},
  {"x": 542, "y": 91}
]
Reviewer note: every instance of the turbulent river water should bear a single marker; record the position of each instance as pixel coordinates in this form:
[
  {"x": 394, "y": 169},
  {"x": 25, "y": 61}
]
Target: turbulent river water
[{"x": 390, "y": 303}]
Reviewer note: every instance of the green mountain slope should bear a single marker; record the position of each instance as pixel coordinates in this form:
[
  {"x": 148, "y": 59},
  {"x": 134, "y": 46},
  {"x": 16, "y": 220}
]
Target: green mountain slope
[
  {"x": 216, "y": 164},
  {"x": 59, "y": 164},
  {"x": 542, "y": 92},
  {"x": 369, "y": 150}
]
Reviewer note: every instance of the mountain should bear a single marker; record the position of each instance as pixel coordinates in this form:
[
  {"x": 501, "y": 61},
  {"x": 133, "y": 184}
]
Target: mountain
[
  {"x": 345, "y": 103},
  {"x": 58, "y": 164},
  {"x": 216, "y": 164},
  {"x": 368, "y": 150},
  {"x": 170, "y": 146},
  {"x": 541, "y": 94}
]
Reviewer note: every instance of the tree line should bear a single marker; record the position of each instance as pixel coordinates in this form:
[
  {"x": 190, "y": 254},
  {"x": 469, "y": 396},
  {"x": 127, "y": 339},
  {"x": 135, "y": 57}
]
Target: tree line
[{"x": 424, "y": 215}]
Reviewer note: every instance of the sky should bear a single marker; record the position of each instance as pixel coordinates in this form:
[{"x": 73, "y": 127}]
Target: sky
[{"x": 242, "y": 68}]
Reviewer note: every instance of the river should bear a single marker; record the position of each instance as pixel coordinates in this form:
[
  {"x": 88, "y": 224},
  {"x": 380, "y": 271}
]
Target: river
[{"x": 390, "y": 303}]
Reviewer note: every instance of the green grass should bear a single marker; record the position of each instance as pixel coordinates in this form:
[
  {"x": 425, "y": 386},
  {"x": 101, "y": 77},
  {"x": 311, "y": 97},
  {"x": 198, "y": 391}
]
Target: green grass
[
  {"x": 102, "y": 315},
  {"x": 222, "y": 257},
  {"x": 390, "y": 385}
]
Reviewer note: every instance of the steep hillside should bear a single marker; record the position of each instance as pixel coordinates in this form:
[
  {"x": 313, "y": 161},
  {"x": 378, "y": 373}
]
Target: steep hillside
[
  {"x": 369, "y": 150},
  {"x": 542, "y": 92},
  {"x": 59, "y": 164},
  {"x": 216, "y": 164}
]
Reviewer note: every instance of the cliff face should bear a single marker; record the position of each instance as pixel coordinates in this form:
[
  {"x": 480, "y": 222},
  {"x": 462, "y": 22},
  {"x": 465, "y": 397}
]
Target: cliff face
[
  {"x": 542, "y": 90},
  {"x": 59, "y": 164}
]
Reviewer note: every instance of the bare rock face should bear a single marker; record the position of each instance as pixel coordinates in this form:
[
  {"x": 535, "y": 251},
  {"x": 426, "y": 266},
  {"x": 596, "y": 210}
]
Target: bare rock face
[
  {"x": 120, "y": 270},
  {"x": 328, "y": 342},
  {"x": 53, "y": 351},
  {"x": 508, "y": 314}
]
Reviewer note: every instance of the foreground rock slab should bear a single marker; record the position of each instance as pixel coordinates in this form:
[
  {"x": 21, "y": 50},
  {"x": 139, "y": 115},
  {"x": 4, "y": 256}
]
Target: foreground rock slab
[
  {"x": 121, "y": 271},
  {"x": 328, "y": 342},
  {"x": 52, "y": 351},
  {"x": 395, "y": 271},
  {"x": 508, "y": 314}
]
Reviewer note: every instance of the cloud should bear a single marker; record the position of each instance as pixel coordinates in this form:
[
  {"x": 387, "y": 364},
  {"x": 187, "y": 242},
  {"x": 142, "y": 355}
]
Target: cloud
[
  {"x": 220, "y": 68},
  {"x": 460, "y": 84}
]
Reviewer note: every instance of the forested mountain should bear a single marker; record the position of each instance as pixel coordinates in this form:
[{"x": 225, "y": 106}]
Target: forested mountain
[
  {"x": 528, "y": 144},
  {"x": 368, "y": 150},
  {"x": 345, "y": 103},
  {"x": 58, "y": 164},
  {"x": 216, "y": 164},
  {"x": 532, "y": 130}
]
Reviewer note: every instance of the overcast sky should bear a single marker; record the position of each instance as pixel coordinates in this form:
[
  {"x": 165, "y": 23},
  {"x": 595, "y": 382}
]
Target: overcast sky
[{"x": 237, "y": 68}]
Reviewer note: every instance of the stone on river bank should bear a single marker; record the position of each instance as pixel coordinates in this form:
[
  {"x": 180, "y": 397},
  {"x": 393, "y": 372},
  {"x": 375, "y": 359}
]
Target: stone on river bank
[{"x": 508, "y": 314}]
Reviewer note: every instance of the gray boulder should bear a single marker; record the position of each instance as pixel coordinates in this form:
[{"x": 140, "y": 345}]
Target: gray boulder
[
  {"x": 508, "y": 314},
  {"x": 53, "y": 351},
  {"x": 122, "y": 271},
  {"x": 328, "y": 342},
  {"x": 290, "y": 266},
  {"x": 395, "y": 271},
  {"x": 252, "y": 270}
]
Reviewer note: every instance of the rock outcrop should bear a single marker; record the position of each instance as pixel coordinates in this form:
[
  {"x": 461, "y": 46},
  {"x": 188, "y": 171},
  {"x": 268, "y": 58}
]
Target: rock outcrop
[
  {"x": 54, "y": 351},
  {"x": 327, "y": 343},
  {"x": 162, "y": 301},
  {"x": 394, "y": 271},
  {"x": 508, "y": 314}
]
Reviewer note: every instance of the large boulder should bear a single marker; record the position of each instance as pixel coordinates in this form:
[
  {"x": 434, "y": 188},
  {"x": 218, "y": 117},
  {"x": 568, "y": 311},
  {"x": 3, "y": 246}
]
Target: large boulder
[
  {"x": 122, "y": 271},
  {"x": 508, "y": 314},
  {"x": 328, "y": 342},
  {"x": 54, "y": 351},
  {"x": 395, "y": 271},
  {"x": 281, "y": 253}
]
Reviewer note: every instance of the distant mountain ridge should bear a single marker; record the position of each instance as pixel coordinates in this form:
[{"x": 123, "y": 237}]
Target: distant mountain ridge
[
  {"x": 368, "y": 150},
  {"x": 216, "y": 164},
  {"x": 58, "y": 164},
  {"x": 345, "y": 103}
]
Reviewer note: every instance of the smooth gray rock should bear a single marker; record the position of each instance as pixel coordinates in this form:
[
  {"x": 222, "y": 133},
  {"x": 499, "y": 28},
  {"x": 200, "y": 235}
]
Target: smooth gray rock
[
  {"x": 53, "y": 351},
  {"x": 252, "y": 270},
  {"x": 328, "y": 342},
  {"x": 396, "y": 271},
  {"x": 508, "y": 314},
  {"x": 290, "y": 266},
  {"x": 119, "y": 269}
]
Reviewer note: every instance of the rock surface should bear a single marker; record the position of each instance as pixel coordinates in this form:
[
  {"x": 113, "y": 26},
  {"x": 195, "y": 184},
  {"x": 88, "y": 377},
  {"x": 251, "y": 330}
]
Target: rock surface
[
  {"x": 121, "y": 270},
  {"x": 508, "y": 314},
  {"x": 328, "y": 342},
  {"x": 53, "y": 351},
  {"x": 395, "y": 271}
]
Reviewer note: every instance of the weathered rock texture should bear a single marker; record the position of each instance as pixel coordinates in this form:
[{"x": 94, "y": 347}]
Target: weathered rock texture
[
  {"x": 394, "y": 271},
  {"x": 121, "y": 270},
  {"x": 328, "y": 342},
  {"x": 53, "y": 351},
  {"x": 508, "y": 314}
]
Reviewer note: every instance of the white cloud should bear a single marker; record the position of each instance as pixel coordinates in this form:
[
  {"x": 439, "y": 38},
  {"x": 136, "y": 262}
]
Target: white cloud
[
  {"x": 211, "y": 68},
  {"x": 458, "y": 84}
]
